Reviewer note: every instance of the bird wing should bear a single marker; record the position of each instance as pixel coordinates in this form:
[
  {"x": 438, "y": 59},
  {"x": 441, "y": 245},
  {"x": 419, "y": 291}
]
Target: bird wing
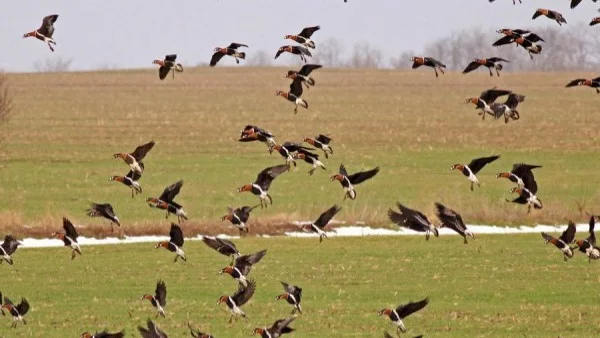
[
  {"x": 547, "y": 237},
  {"x": 307, "y": 69},
  {"x": 505, "y": 40},
  {"x": 293, "y": 289},
  {"x": 10, "y": 244},
  {"x": 47, "y": 27},
  {"x": 433, "y": 62},
  {"x": 524, "y": 172},
  {"x": 235, "y": 45},
  {"x": 513, "y": 100},
  {"x": 215, "y": 58},
  {"x": 308, "y": 31},
  {"x": 536, "y": 14},
  {"x": 23, "y": 306},
  {"x": 222, "y": 246},
  {"x": 140, "y": 152},
  {"x": 405, "y": 310},
  {"x": 266, "y": 176},
  {"x": 152, "y": 332},
  {"x": 227, "y": 246},
  {"x": 163, "y": 71},
  {"x": 244, "y": 263},
  {"x": 279, "y": 51},
  {"x": 176, "y": 235},
  {"x": 280, "y": 324},
  {"x": 471, "y": 67},
  {"x": 170, "y": 192},
  {"x": 323, "y": 139},
  {"x": 362, "y": 176},
  {"x": 70, "y": 229},
  {"x": 574, "y": 3},
  {"x": 161, "y": 293},
  {"x": 307, "y": 153},
  {"x": 171, "y": 57},
  {"x": 497, "y": 59},
  {"x": 303, "y": 50},
  {"x": 591, "y": 238},
  {"x": 477, "y": 164},
  {"x": 296, "y": 87},
  {"x": 450, "y": 218},
  {"x": 326, "y": 216},
  {"x": 576, "y": 82},
  {"x": 409, "y": 218},
  {"x": 532, "y": 37},
  {"x": 343, "y": 171},
  {"x": 243, "y": 213},
  {"x": 243, "y": 294},
  {"x": 568, "y": 236},
  {"x": 490, "y": 95}
]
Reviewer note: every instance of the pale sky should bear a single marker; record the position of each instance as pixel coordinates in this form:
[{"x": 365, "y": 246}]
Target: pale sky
[{"x": 131, "y": 33}]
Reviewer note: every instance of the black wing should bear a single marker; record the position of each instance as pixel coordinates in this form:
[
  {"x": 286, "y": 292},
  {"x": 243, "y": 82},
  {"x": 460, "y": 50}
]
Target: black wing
[
  {"x": 343, "y": 171},
  {"x": 308, "y": 31},
  {"x": 163, "y": 71},
  {"x": 405, "y": 310},
  {"x": 281, "y": 325},
  {"x": 215, "y": 58},
  {"x": 513, "y": 100},
  {"x": 243, "y": 213},
  {"x": 326, "y": 216},
  {"x": 105, "y": 334},
  {"x": 532, "y": 37},
  {"x": 152, "y": 331},
  {"x": 471, "y": 67},
  {"x": 10, "y": 244},
  {"x": 323, "y": 139},
  {"x": 568, "y": 236},
  {"x": 293, "y": 289},
  {"x": 524, "y": 172},
  {"x": 409, "y": 218},
  {"x": 296, "y": 87},
  {"x": 70, "y": 229},
  {"x": 477, "y": 164},
  {"x": 140, "y": 152},
  {"x": 47, "y": 27},
  {"x": 490, "y": 95},
  {"x": 505, "y": 40},
  {"x": 362, "y": 176},
  {"x": 235, "y": 45},
  {"x": 267, "y": 176},
  {"x": 244, "y": 263},
  {"x": 497, "y": 59},
  {"x": 450, "y": 218},
  {"x": 171, "y": 57},
  {"x": 591, "y": 238},
  {"x": 23, "y": 306},
  {"x": 161, "y": 293},
  {"x": 279, "y": 51},
  {"x": 429, "y": 61},
  {"x": 176, "y": 235},
  {"x": 222, "y": 246},
  {"x": 243, "y": 294},
  {"x": 307, "y": 69},
  {"x": 574, "y": 3},
  {"x": 536, "y": 14},
  {"x": 576, "y": 82},
  {"x": 170, "y": 192}
]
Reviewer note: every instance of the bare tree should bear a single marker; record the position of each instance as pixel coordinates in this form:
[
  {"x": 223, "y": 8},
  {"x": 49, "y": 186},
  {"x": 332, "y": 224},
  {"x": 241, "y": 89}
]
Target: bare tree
[
  {"x": 53, "y": 65},
  {"x": 328, "y": 53},
  {"x": 365, "y": 56},
  {"x": 402, "y": 61},
  {"x": 260, "y": 59}
]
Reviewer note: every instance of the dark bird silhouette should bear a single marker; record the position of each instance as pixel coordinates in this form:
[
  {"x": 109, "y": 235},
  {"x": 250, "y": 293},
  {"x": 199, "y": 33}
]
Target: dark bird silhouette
[
  {"x": 166, "y": 201},
  {"x": 318, "y": 225},
  {"x": 452, "y": 220},
  {"x": 45, "y": 32},
  {"x": 564, "y": 241},
  {"x": 230, "y": 50},
  {"x": 412, "y": 219},
  {"x": 304, "y": 36},
  {"x": 398, "y": 315},
  {"x": 592, "y": 83},
  {"x": 263, "y": 181},
  {"x": 276, "y": 330},
  {"x": 104, "y": 210},
  {"x": 133, "y": 159},
  {"x": 152, "y": 331}
]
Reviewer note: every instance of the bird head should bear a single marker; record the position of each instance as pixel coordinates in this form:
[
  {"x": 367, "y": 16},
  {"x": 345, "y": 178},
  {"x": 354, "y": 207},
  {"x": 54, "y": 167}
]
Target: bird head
[
  {"x": 86, "y": 335},
  {"x": 517, "y": 190},
  {"x": 282, "y": 296},
  {"x": 247, "y": 187},
  {"x": 222, "y": 299},
  {"x": 579, "y": 243},
  {"x": 120, "y": 155},
  {"x": 280, "y": 93},
  {"x": 162, "y": 244},
  {"x": 457, "y": 167},
  {"x": 299, "y": 156},
  {"x": 147, "y": 296},
  {"x": 227, "y": 269},
  {"x": 117, "y": 178},
  {"x": 505, "y": 175},
  {"x": 26, "y": 35},
  {"x": 473, "y": 100},
  {"x": 384, "y": 312},
  {"x": 227, "y": 217}
]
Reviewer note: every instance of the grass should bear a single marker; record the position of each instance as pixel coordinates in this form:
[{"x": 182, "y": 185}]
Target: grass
[
  {"x": 496, "y": 286},
  {"x": 65, "y": 128}
]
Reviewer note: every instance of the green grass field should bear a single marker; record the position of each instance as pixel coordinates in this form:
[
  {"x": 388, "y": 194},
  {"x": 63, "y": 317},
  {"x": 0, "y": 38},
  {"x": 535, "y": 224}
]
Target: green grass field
[{"x": 496, "y": 286}]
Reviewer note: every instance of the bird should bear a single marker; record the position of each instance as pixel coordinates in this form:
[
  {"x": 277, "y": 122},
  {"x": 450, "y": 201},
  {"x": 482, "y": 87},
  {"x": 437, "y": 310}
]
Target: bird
[
  {"x": 419, "y": 61},
  {"x": 564, "y": 241},
  {"x": 297, "y": 50},
  {"x": 239, "y": 298},
  {"x": 263, "y": 181},
  {"x": 16, "y": 311},
  {"x": 239, "y": 216},
  {"x": 133, "y": 159},
  {"x": 104, "y": 210},
  {"x": 292, "y": 295},
  {"x": 574, "y": 3},
  {"x": 175, "y": 242},
  {"x": 294, "y": 95},
  {"x": 152, "y": 331},
  {"x": 452, "y": 220},
  {"x": 318, "y": 225},
  {"x": 131, "y": 180},
  {"x": 412, "y": 219},
  {"x": 166, "y": 201},
  {"x": 304, "y": 36},
  {"x": 520, "y": 173},
  {"x": 387, "y": 335},
  {"x": 253, "y": 133},
  {"x": 303, "y": 74},
  {"x": 595, "y": 21},
  {"x": 167, "y": 65},
  {"x": 45, "y": 32},
  {"x": 159, "y": 300},
  {"x": 592, "y": 83},
  {"x": 486, "y": 99},
  {"x": 69, "y": 238},
  {"x": 513, "y": 32},
  {"x": 493, "y": 62},
  {"x": 588, "y": 245},
  {"x": 242, "y": 266},
  {"x": 197, "y": 333},
  {"x": 508, "y": 109},
  {"x": 230, "y": 50},
  {"x": 310, "y": 158},
  {"x": 471, "y": 169},
  {"x": 349, "y": 181},
  {"x": 320, "y": 142},
  {"x": 103, "y": 334},
  {"x": 529, "y": 41},
  {"x": 223, "y": 246},
  {"x": 8, "y": 247},
  {"x": 398, "y": 315},
  {"x": 276, "y": 330},
  {"x": 527, "y": 193},
  {"x": 286, "y": 149},
  {"x": 550, "y": 14}
]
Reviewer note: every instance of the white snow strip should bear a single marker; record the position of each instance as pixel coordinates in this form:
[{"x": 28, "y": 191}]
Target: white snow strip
[{"x": 347, "y": 231}]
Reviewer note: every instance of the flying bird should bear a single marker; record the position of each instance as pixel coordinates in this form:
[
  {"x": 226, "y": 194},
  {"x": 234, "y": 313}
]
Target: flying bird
[
  {"x": 297, "y": 50},
  {"x": 230, "y": 50},
  {"x": 197, "y": 333},
  {"x": 310, "y": 158},
  {"x": 175, "y": 242},
  {"x": 321, "y": 142},
  {"x": 166, "y": 201},
  {"x": 103, "y": 334},
  {"x": 294, "y": 95},
  {"x": 412, "y": 219},
  {"x": 529, "y": 41},
  {"x": 104, "y": 210},
  {"x": 223, "y": 246},
  {"x": 239, "y": 217},
  {"x": 263, "y": 181},
  {"x": 349, "y": 181},
  {"x": 588, "y": 245},
  {"x": 493, "y": 62},
  {"x": 452, "y": 220},
  {"x": 564, "y": 241},
  {"x": 486, "y": 99},
  {"x": 45, "y": 32},
  {"x": 398, "y": 315},
  {"x": 595, "y": 21},
  {"x": 276, "y": 330},
  {"x": 8, "y": 247},
  {"x": 167, "y": 65},
  {"x": 550, "y": 14},
  {"x": 152, "y": 331},
  {"x": 520, "y": 173},
  {"x": 133, "y": 159},
  {"x": 69, "y": 238},
  {"x": 574, "y": 3},
  {"x": 303, "y": 74},
  {"x": 419, "y": 61},
  {"x": 159, "y": 299},
  {"x": 469, "y": 170},
  {"x": 592, "y": 83},
  {"x": 286, "y": 149},
  {"x": 242, "y": 266},
  {"x": 292, "y": 295},
  {"x": 16, "y": 311},
  {"x": 527, "y": 193},
  {"x": 252, "y": 133},
  {"x": 304, "y": 36},
  {"x": 239, "y": 298},
  {"x": 508, "y": 109},
  {"x": 318, "y": 225},
  {"x": 131, "y": 180}
]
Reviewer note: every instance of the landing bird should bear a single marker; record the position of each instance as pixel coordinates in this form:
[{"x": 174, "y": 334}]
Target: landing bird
[
  {"x": 45, "y": 32},
  {"x": 419, "y": 61},
  {"x": 69, "y": 238},
  {"x": 520, "y": 173},
  {"x": 292, "y": 295},
  {"x": 527, "y": 193},
  {"x": 239, "y": 217},
  {"x": 230, "y": 50},
  {"x": 310, "y": 158},
  {"x": 239, "y": 298},
  {"x": 133, "y": 159},
  {"x": 595, "y": 21},
  {"x": 469, "y": 170},
  {"x": 563, "y": 242},
  {"x": 412, "y": 219},
  {"x": 452, "y": 220},
  {"x": 592, "y": 83},
  {"x": 318, "y": 226},
  {"x": 349, "y": 181},
  {"x": 486, "y": 99},
  {"x": 175, "y": 242},
  {"x": 16, "y": 311},
  {"x": 276, "y": 330},
  {"x": 166, "y": 201},
  {"x": 152, "y": 331},
  {"x": 223, "y": 246},
  {"x": 493, "y": 62},
  {"x": 304, "y": 36},
  {"x": 294, "y": 95},
  {"x": 574, "y": 3},
  {"x": 8, "y": 247},
  {"x": 508, "y": 109},
  {"x": 252, "y": 133},
  {"x": 286, "y": 149},
  {"x": 103, "y": 334},
  {"x": 260, "y": 187},
  {"x": 104, "y": 210},
  {"x": 167, "y": 65},
  {"x": 242, "y": 266},
  {"x": 398, "y": 315},
  {"x": 198, "y": 334},
  {"x": 554, "y": 15},
  {"x": 297, "y": 50},
  {"x": 529, "y": 41},
  {"x": 588, "y": 245},
  {"x": 303, "y": 74},
  {"x": 131, "y": 180},
  {"x": 321, "y": 142},
  {"x": 159, "y": 300}
]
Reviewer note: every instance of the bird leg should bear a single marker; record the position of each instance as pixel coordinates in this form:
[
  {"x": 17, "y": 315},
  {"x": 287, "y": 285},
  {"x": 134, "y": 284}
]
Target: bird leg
[
  {"x": 231, "y": 319},
  {"x": 237, "y": 61},
  {"x": 490, "y": 69},
  {"x": 311, "y": 172},
  {"x": 321, "y": 237},
  {"x": 296, "y": 109},
  {"x": 270, "y": 199},
  {"x": 530, "y": 55},
  {"x": 497, "y": 72},
  {"x": 471, "y": 186},
  {"x": 465, "y": 239},
  {"x": 597, "y": 90},
  {"x": 435, "y": 70}
]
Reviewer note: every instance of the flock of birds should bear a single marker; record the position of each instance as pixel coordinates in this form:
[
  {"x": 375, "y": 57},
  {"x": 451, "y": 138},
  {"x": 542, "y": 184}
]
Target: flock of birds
[{"x": 241, "y": 265}]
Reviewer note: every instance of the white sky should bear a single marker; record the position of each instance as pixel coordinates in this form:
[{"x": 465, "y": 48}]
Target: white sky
[{"x": 131, "y": 33}]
